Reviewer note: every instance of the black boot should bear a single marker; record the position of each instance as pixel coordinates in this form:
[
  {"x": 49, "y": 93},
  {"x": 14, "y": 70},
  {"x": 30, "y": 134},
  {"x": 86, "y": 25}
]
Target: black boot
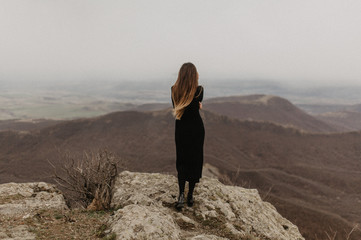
[
  {"x": 190, "y": 200},
  {"x": 180, "y": 204}
]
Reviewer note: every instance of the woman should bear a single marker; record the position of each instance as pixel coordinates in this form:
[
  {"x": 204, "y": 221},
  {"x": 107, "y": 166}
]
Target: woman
[{"x": 189, "y": 130}]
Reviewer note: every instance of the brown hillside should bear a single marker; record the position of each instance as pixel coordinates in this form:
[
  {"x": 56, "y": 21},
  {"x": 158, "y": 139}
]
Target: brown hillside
[
  {"x": 314, "y": 178},
  {"x": 151, "y": 107},
  {"x": 346, "y": 120},
  {"x": 26, "y": 125},
  {"x": 266, "y": 108}
]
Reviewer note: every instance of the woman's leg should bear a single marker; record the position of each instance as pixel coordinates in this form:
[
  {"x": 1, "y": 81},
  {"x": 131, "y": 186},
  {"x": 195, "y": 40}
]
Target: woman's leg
[
  {"x": 190, "y": 200},
  {"x": 181, "y": 185},
  {"x": 192, "y": 185}
]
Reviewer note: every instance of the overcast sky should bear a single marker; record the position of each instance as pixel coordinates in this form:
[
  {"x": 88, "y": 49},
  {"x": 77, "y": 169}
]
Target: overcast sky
[{"x": 293, "y": 41}]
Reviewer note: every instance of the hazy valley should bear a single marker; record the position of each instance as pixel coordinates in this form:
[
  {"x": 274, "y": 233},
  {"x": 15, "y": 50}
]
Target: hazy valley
[
  {"x": 301, "y": 157},
  {"x": 69, "y": 100}
]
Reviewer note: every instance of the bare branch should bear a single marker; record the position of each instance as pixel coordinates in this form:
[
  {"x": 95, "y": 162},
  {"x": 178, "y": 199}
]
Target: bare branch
[
  {"x": 91, "y": 178},
  {"x": 352, "y": 230}
]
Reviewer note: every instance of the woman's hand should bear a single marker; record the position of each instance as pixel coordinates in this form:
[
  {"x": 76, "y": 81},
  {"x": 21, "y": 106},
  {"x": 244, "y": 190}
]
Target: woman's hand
[{"x": 200, "y": 105}]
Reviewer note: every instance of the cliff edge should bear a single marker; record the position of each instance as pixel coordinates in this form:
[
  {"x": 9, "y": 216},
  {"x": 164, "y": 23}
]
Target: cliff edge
[
  {"x": 146, "y": 211},
  {"x": 143, "y": 208}
]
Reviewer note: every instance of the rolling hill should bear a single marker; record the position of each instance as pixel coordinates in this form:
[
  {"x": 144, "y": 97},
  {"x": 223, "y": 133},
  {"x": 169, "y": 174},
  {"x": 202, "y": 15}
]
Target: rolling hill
[
  {"x": 313, "y": 179},
  {"x": 26, "y": 125},
  {"x": 348, "y": 118},
  {"x": 267, "y": 108},
  {"x": 345, "y": 118}
]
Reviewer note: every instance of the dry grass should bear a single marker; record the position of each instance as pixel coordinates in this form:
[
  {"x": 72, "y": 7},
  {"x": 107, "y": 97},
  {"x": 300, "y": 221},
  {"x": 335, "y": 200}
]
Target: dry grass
[
  {"x": 10, "y": 198},
  {"x": 67, "y": 224},
  {"x": 265, "y": 196},
  {"x": 355, "y": 228},
  {"x": 234, "y": 180},
  {"x": 333, "y": 235}
]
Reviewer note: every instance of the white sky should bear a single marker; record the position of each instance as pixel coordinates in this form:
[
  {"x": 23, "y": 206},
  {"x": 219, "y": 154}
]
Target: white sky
[{"x": 317, "y": 41}]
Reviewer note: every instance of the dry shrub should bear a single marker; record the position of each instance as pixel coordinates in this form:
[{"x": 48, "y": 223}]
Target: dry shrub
[
  {"x": 331, "y": 234},
  {"x": 90, "y": 178},
  {"x": 234, "y": 179}
]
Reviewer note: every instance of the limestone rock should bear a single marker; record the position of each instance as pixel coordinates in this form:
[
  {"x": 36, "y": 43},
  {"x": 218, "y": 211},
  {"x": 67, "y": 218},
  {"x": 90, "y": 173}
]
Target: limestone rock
[
  {"x": 145, "y": 204},
  {"x": 17, "y": 233},
  {"x": 207, "y": 237},
  {"x": 144, "y": 222},
  {"x": 223, "y": 212},
  {"x": 21, "y": 199}
]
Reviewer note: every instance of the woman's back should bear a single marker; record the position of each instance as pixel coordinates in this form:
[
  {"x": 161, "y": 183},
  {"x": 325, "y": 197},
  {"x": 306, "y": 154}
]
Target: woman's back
[{"x": 192, "y": 110}]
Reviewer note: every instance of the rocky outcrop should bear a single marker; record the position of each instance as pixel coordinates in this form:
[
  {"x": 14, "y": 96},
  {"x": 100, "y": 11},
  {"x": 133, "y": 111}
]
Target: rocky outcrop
[
  {"x": 146, "y": 211},
  {"x": 23, "y": 200}
]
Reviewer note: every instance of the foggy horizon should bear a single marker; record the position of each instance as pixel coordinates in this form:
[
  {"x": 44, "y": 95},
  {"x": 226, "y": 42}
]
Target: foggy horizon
[{"x": 296, "y": 43}]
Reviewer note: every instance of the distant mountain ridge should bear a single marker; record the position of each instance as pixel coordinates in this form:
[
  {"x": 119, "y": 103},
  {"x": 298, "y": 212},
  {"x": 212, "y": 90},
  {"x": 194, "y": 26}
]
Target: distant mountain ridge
[
  {"x": 26, "y": 125},
  {"x": 262, "y": 108},
  {"x": 345, "y": 118},
  {"x": 267, "y": 108}
]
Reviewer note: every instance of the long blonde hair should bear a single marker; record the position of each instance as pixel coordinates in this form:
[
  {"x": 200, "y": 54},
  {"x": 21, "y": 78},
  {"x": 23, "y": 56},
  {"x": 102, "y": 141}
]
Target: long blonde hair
[{"x": 184, "y": 89}]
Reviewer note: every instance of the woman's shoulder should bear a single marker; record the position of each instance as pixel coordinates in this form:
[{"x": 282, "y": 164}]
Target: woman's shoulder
[{"x": 199, "y": 91}]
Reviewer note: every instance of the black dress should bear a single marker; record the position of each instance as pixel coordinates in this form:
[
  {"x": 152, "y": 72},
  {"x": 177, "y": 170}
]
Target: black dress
[{"x": 189, "y": 139}]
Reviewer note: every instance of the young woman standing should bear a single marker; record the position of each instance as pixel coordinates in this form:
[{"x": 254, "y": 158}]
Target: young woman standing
[{"x": 187, "y": 99}]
